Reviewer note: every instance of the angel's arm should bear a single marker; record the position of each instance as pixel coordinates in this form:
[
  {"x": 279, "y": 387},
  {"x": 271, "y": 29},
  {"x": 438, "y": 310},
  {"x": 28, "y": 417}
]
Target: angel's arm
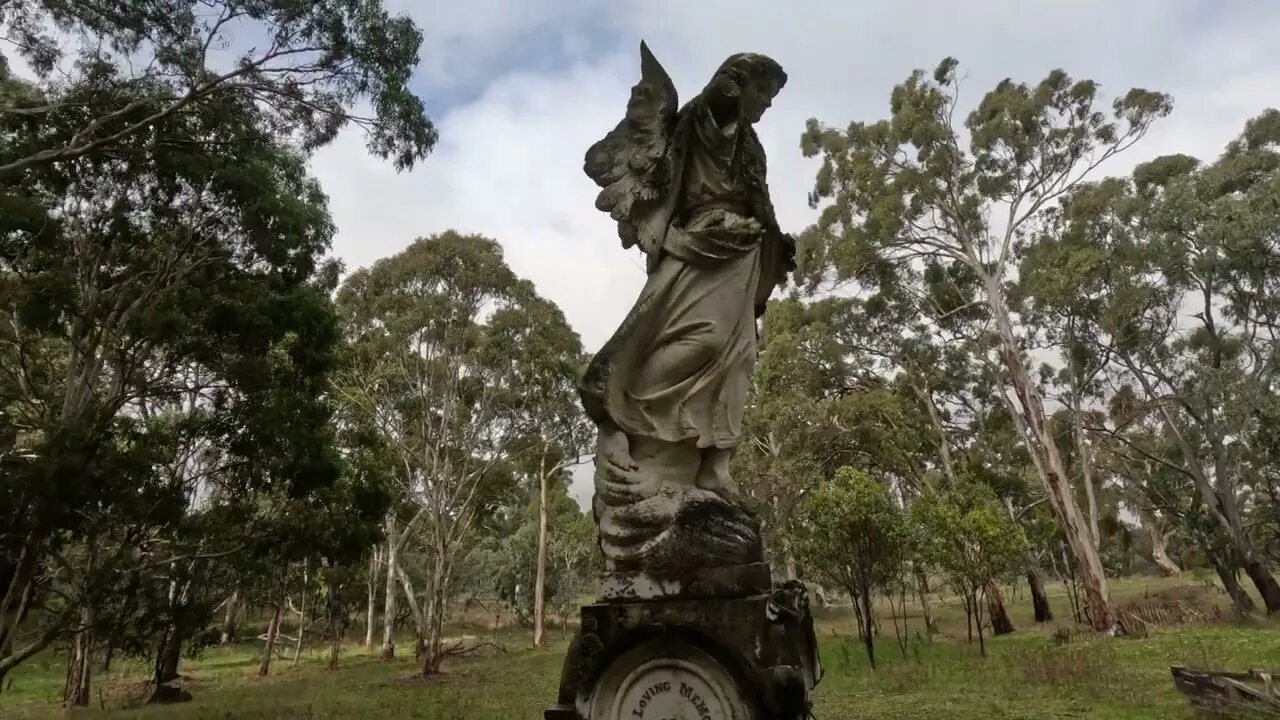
[{"x": 777, "y": 260}]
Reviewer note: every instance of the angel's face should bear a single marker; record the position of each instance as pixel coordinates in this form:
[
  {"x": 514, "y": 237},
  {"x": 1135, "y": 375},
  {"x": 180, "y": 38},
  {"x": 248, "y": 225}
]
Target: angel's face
[{"x": 756, "y": 98}]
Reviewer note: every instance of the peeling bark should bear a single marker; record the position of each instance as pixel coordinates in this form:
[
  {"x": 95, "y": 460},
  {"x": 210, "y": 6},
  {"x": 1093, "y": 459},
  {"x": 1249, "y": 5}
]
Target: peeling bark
[
  {"x": 230, "y": 618},
  {"x": 1159, "y": 544},
  {"x": 389, "y": 608},
  {"x": 996, "y": 611},
  {"x": 416, "y": 611},
  {"x": 1030, "y": 420},
  {"x": 539, "y": 584},
  {"x": 374, "y": 565},
  {"x": 75, "y": 692},
  {"x": 1039, "y": 600},
  {"x": 273, "y": 629},
  {"x": 434, "y": 654}
]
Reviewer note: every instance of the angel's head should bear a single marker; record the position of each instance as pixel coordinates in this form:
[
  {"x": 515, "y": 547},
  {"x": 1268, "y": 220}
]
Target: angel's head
[{"x": 753, "y": 80}]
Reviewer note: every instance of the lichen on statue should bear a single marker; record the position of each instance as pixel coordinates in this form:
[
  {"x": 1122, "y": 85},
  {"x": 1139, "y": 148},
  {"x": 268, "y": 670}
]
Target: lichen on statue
[{"x": 669, "y": 388}]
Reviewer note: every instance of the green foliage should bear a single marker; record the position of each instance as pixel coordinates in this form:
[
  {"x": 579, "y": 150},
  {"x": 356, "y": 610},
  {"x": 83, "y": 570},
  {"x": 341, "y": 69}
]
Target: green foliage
[
  {"x": 816, "y": 407},
  {"x": 927, "y": 218},
  {"x": 306, "y": 66},
  {"x": 852, "y": 532},
  {"x": 468, "y": 378},
  {"x": 168, "y": 332},
  {"x": 506, "y": 564},
  {"x": 124, "y": 270},
  {"x": 908, "y": 189},
  {"x": 965, "y": 533},
  {"x": 462, "y": 370},
  {"x": 1176, "y": 314}
]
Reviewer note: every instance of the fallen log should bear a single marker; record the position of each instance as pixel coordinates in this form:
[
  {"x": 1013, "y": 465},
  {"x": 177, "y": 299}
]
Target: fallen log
[
  {"x": 279, "y": 650},
  {"x": 462, "y": 648},
  {"x": 1224, "y": 692}
]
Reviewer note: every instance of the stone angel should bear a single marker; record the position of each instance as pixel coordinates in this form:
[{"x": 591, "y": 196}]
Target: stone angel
[{"x": 668, "y": 390}]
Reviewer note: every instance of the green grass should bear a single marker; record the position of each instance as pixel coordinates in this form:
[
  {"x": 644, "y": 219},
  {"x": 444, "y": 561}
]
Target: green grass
[{"x": 1026, "y": 676}]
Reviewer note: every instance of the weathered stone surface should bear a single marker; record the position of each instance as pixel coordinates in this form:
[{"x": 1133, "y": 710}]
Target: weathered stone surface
[
  {"x": 705, "y": 531},
  {"x": 713, "y": 582},
  {"x": 764, "y": 644}
]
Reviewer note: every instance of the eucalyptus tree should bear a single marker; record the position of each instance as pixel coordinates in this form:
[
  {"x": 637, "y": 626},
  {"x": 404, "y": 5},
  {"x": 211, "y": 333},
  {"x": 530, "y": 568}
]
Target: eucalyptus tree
[
  {"x": 905, "y": 202},
  {"x": 818, "y": 403},
  {"x": 132, "y": 281},
  {"x": 155, "y": 224},
  {"x": 792, "y": 442},
  {"x": 552, "y": 434},
  {"x": 107, "y": 72},
  {"x": 437, "y": 332},
  {"x": 967, "y": 535},
  {"x": 1181, "y": 258}
]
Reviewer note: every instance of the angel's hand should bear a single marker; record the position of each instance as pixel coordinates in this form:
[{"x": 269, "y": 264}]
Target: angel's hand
[{"x": 747, "y": 227}]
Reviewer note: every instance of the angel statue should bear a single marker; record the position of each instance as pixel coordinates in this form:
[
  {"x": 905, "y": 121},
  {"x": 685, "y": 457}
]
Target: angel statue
[{"x": 668, "y": 390}]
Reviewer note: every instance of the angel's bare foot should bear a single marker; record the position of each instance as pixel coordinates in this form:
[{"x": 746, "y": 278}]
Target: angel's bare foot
[
  {"x": 714, "y": 473},
  {"x": 613, "y": 446}
]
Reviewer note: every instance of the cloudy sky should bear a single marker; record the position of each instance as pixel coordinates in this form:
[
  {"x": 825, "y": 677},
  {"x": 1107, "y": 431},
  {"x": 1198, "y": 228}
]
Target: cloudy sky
[{"x": 520, "y": 88}]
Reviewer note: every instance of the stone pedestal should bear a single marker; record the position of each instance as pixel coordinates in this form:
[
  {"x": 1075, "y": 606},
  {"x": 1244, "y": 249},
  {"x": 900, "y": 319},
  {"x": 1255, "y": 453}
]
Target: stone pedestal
[{"x": 747, "y": 657}]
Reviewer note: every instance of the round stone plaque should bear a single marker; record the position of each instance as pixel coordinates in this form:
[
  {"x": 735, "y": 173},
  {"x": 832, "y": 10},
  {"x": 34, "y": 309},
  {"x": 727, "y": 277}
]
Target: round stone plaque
[{"x": 667, "y": 681}]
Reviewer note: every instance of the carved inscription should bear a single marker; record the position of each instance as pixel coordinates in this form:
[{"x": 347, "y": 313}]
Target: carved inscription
[{"x": 673, "y": 700}]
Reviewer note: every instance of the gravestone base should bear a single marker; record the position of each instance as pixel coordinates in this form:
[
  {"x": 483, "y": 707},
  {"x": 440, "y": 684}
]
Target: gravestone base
[{"x": 752, "y": 657}]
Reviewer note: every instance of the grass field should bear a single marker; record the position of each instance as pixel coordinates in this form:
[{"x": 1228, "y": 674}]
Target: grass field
[{"x": 1026, "y": 676}]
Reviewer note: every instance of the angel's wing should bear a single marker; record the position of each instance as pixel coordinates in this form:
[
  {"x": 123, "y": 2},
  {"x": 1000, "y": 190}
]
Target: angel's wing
[{"x": 632, "y": 162}]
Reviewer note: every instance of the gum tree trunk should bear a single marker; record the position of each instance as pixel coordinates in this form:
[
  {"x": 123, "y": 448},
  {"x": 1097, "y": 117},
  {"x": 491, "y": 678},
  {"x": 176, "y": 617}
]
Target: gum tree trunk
[
  {"x": 1231, "y": 583},
  {"x": 273, "y": 629},
  {"x": 1029, "y": 417},
  {"x": 389, "y": 608},
  {"x": 434, "y": 654},
  {"x": 922, "y": 587},
  {"x": 1039, "y": 600},
  {"x": 416, "y": 611},
  {"x": 230, "y": 618},
  {"x": 1265, "y": 581},
  {"x": 80, "y": 665},
  {"x": 539, "y": 584},
  {"x": 375, "y": 563},
  {"x": 302, "y": 619},
  {"x": 1000, "y": 622},
  {"x": 1152, "y": 526}
]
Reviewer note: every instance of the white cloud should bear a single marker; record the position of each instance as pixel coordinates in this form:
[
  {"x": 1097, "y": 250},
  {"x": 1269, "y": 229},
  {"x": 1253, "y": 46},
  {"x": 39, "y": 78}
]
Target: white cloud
[
  {"x": 509, "y": 162},
  {"x": 509, "y": 166},
  {"x": 461, "y": 40}
]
